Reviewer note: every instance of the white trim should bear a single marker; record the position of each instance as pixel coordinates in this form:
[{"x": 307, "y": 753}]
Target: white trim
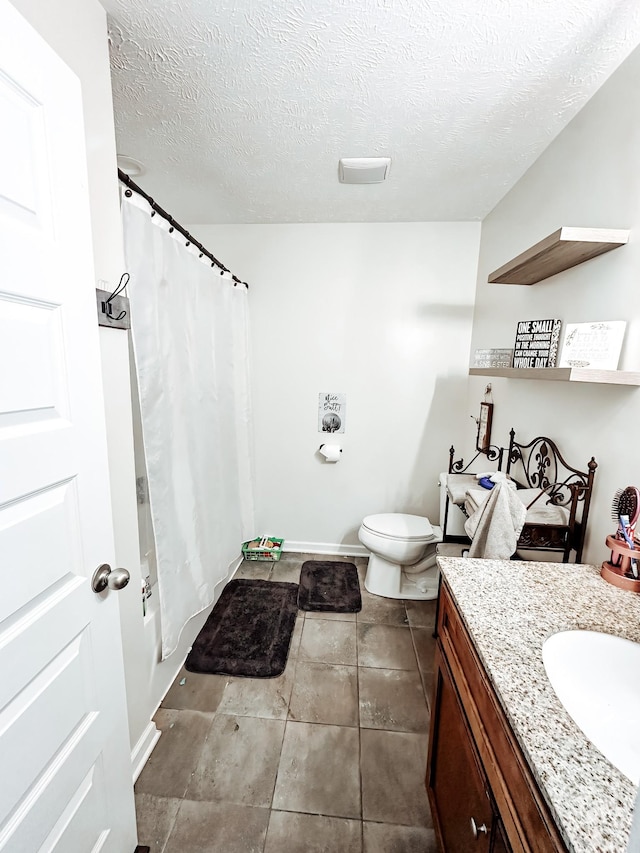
[
  {"x": 236, "y": 564},
  {"x": 235, "y": 568},
  {"x": 148, "y": 739},
  {"x": 325, "y": 548},
  {"x": 143, "y": 748}
]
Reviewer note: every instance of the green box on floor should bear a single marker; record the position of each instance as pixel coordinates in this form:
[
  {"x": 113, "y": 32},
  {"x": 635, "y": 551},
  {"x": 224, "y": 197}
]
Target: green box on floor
[{"x": 262, "y": 548}]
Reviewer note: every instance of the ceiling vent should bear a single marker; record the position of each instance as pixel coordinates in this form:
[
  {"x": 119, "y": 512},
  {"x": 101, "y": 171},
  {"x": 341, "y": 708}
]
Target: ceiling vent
[{"x": 363, "y": 170}]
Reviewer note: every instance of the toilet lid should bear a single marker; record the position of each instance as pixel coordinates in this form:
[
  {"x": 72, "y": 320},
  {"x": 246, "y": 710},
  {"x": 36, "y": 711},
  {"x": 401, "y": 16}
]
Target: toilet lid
[{"x": 397, "y": 525}]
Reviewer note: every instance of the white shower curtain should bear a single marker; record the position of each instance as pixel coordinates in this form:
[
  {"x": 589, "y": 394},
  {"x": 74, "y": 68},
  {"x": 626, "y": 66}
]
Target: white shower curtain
[{"x": 190, "y": 337}]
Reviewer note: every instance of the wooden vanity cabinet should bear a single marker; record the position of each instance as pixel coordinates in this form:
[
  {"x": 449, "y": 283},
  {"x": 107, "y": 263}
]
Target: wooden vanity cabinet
[
  {"x": 482, "y": 793},
  {"x": 456, "y": 781},
  {"x": 499, "y": 844}
]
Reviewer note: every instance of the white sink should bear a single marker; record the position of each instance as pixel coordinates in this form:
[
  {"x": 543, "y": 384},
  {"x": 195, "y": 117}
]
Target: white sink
[{"x": 597, "y": 679}]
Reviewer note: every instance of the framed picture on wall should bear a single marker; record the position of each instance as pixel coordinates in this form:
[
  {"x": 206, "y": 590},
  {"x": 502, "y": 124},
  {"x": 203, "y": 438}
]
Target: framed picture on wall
[{"x": 483, "y": 439}]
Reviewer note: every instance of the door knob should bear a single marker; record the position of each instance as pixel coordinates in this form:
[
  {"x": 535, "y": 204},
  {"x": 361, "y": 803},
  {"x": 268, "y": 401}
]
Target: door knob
[
  {"x": 478, "y": 830},
  {"x": 103, "y": 577}
]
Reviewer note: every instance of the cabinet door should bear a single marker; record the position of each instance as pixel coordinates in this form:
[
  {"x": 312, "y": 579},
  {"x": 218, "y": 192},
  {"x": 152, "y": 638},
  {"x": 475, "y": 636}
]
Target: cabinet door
[
  {"x": 499, "y": 843},
  {"x": 457, "y": 789}
]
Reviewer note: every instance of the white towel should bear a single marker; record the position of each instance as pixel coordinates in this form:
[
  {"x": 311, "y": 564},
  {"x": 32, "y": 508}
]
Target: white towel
[{"x": 495, "y": 526}]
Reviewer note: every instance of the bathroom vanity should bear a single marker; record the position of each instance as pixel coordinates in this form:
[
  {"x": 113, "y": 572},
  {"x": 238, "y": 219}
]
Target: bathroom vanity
[{"x": 508, "y": 769}]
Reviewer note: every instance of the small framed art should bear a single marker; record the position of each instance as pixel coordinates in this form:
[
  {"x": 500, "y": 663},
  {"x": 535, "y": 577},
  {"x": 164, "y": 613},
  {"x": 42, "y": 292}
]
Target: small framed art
[
  {"x": 492, "y": 358},
  {"x": 593, "y": 345},
  {"x": 483, "y": 439},
  {"x": 331, "y": 412}
]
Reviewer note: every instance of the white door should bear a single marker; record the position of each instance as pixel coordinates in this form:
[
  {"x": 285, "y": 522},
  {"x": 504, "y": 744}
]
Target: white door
[{"x": 65, "y": 773}]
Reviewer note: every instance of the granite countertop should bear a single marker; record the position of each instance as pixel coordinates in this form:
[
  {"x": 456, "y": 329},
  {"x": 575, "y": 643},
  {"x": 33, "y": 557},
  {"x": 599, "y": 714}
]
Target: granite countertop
[{"x": 510, "y": 608}]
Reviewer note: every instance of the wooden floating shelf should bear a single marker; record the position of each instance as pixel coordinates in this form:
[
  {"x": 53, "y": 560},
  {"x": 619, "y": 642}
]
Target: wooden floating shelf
[
  {"x": 561, "y": 250},
  {"x": 561, "y": 374}
]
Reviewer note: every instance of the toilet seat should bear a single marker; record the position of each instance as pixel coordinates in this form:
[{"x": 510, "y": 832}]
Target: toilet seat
[{"x": 400, "y": 526}]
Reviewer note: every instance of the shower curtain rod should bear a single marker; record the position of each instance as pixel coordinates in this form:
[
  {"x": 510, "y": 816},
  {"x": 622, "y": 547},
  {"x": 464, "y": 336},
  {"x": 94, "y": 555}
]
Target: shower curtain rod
[{"x": 155, "y": 208}]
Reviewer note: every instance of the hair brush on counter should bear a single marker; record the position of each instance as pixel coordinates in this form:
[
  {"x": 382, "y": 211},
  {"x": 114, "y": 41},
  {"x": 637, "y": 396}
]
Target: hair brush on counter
[
  {"x": 623, "y": 569},
  {"x": 625, "y": 510}
]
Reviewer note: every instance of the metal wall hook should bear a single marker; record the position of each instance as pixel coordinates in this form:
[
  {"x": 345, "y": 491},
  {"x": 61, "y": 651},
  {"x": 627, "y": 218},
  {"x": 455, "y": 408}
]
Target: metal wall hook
[
  {"x": 107, "y": 307},
  {"x": 108, "y": 301},
  {"x": 124, "y": 281}
]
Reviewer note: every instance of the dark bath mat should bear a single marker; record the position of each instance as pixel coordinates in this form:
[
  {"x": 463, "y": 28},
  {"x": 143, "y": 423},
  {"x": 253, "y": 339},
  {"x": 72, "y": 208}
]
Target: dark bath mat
[
  {"x": 248, "y": 631},
  {"x": 329, "y": 587}
]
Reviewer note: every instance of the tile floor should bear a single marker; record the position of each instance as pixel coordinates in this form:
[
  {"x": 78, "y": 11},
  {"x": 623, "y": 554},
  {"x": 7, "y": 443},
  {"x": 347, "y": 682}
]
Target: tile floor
[{"x": 330, "y": 756}]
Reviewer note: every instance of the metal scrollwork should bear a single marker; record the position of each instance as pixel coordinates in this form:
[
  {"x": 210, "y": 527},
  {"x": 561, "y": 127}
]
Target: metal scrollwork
[
  {"x": 542, "y": 469},
  {"x": 493, "y": 453},
  {"x": 539, "y": 465}
]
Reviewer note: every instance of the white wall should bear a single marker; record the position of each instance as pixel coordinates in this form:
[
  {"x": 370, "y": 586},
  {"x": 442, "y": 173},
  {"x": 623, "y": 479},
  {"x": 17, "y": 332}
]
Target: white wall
[
  {"x": 380, "y": 312},
  {"x": 589, "y": 176},
  {"x": 76, "y": 30}
]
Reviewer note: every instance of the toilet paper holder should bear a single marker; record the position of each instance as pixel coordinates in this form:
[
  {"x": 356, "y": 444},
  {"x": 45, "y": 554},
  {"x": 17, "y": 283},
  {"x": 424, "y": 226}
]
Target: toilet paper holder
[{"x": 330, "y": 457}]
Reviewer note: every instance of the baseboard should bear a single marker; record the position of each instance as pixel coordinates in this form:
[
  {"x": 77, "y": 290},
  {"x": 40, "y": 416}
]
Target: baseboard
[
  {"x": 181, "y": 661},
  {"x": 143, "y": 749},
  {"x": 236, "y": 566},
  {"x": 325, "y": 548}
]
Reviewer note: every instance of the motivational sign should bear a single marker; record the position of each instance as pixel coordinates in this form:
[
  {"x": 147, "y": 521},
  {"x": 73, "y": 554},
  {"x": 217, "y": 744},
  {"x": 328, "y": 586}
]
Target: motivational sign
[
  {"x": 492, "y": 358},
  {"x": 331, "y": 412},
  {"x": 537, "y": 343},
  {"x": 593, "y": 345}
]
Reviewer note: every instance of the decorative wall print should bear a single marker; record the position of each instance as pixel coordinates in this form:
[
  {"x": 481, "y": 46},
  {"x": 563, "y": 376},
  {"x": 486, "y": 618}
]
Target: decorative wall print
[
  {"x": 483, "y": 439},
  {"x": 492, "y": 358},
  {"x": 331, "y": 412},
  {"x": 537, "y": 343},
  {"x": 593, "y": 345}
]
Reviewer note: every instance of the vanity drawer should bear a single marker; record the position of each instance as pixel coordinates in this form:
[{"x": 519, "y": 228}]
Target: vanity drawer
[{"x": 527, "y": 820}]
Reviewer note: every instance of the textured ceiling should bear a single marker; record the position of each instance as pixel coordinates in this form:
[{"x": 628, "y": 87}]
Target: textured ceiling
[{"x": 240, "y": 109}]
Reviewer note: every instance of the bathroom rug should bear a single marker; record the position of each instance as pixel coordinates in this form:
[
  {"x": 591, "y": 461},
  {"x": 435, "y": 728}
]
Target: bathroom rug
[
  {"x": 248, "y": 632},
  {"x": 329, "y": 587}
]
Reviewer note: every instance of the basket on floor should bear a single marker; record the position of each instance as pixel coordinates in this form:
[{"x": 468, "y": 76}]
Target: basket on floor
[{"x": 262, "y": 548}]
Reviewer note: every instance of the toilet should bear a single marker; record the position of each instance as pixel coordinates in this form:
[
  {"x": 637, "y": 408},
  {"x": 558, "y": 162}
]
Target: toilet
[
  {"x": 403, "y": 555},
  {"x": 402, "y": 563}
]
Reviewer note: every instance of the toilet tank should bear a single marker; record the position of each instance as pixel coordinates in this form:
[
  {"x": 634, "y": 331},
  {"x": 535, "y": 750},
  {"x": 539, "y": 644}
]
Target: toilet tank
[{"x": 456, "y": 519}]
